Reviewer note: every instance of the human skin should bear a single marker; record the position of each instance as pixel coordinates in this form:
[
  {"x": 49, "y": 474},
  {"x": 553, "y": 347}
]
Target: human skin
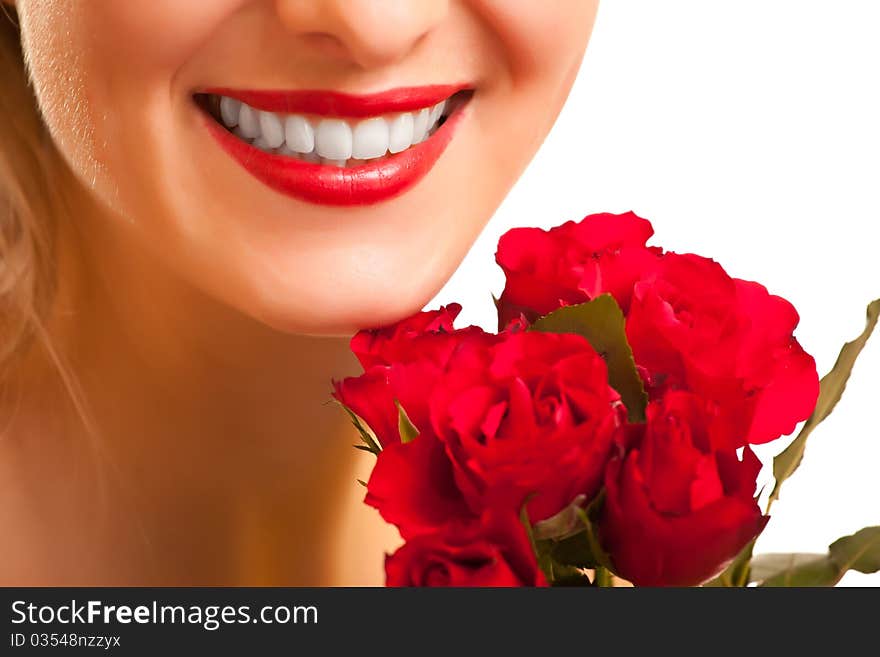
[{"x": 203, "y": 313}]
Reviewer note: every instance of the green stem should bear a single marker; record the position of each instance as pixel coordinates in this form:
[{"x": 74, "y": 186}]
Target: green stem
[{"x": 603, "y": 577}]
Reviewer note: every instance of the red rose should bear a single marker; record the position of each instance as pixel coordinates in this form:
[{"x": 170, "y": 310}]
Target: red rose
[
  {"x": 493, "y": 551},
  {"x": 773, "y": 365},
  {"x": 531, "y": 417},
  {"x": 371, "y": 398},
  {"x": 413, "y": 487},
  {"x": 572, "y": 263},
  {"x": 678, "y": 507},
  {"x": 693, "y": 327},
  {"x": 402, "y": 363},
  {"x": 394, "y": 343}
]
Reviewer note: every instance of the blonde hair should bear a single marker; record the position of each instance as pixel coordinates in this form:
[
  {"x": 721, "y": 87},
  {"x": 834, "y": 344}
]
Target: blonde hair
[
  {"x": 28, "y": 205},
  {"x": 31, "y": 207}
]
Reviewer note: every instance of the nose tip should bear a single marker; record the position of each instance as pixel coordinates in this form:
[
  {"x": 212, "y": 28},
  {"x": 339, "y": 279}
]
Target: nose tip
[{"x": 370, "y": 33}]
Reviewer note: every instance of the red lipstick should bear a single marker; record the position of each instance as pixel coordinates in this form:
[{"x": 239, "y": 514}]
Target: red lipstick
[
  {"x": 372, "y": 182},
  {"x": 342, "y": 105}
]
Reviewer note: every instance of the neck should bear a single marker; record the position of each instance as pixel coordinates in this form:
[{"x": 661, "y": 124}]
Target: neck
[{"x": 221, "y": 459}]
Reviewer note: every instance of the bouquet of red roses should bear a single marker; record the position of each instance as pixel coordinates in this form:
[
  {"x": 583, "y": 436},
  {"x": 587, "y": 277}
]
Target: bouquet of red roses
[{"x": 604, "y": 431}]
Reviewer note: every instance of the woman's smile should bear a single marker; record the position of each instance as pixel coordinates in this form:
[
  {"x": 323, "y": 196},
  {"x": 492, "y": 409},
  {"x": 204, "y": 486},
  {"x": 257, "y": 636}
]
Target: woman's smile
[
  {"x": 317, "y": 166},
  {"x": 332, "y": 148}
]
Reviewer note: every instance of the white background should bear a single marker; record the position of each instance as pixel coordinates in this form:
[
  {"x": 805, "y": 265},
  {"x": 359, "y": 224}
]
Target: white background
[{"x": 749, "y": 132}]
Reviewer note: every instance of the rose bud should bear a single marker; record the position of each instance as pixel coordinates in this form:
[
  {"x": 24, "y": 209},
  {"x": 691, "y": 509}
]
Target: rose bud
[
  {"x": 572, "y": 263},
  {"x": 677, "y": 509},
  {"x": 393, "y": 344},
  {"x": 371, "y": 398},
  {"x": 491, "y": 551},
  {"x": 403, "y": 363}
]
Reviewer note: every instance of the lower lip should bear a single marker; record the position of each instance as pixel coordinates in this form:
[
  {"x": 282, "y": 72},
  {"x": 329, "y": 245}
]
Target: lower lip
[{"x": 369, "y": 183}]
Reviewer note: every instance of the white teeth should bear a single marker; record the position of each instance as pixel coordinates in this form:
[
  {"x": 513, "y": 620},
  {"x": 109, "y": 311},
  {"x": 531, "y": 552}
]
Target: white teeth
[
  {"x": 437, "y": 112},
  {"x": 370, "y": 139},
  {"x": 330, "y": 141},
  {"x": 333, "y": 139},
  {"x": 273, "y": 131},
  {"x": 248, "y": 122},
  {"x": 299, "y": 134},
  {"x": 229, "y": 109},
  {"x": 400, "y": 133},
  {"x": 261, "y": 143},
  {"x": 420, "y": 125}
]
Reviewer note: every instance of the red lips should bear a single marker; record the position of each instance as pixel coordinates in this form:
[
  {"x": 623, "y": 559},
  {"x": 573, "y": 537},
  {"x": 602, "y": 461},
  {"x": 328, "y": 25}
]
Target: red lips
[
  {"x": 372, "y": 182},
  {"x": 342, "y": 105}
]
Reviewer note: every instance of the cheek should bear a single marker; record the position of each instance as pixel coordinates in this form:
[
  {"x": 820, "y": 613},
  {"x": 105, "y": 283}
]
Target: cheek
[
  {"x": 55, "y": 57},
  {"x": 542, "y": 45},
  {"x": 540, "y": 37},
  {"x": 155, "y": 36},
  {"x": 98, "y": 65}
]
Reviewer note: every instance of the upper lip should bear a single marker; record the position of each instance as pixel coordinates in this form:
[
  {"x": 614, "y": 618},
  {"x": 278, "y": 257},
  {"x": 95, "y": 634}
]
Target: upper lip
[{"x": 336, "y": 103}]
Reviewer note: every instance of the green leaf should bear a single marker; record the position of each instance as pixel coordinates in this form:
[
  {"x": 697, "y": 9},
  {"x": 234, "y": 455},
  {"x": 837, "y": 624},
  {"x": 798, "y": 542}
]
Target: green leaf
[
  {"x": 565, "y": 523},
  {"x": 830, "y": 391},
  {"x": 366, "y": 434},
  {"x": 575, "y": 550},
  {"x": 770, "y": 565},
  {"x": 602, "y": 323},
  {"x": 362, "y": 482},
  {"x": 737, "y": 573},
  {"x": 570, "y": 551},
  {"x": 588, "y": 517},
  {"x": 860, "y": 552},
  {"x": 603, "y": 577},
  {"x": 820, "y": 571},
  {"x": 407, "y": 429},
  {"x": 540, "y": 548},
  {"x": 562, "y": 560},
  {"x": 569, "y": 576}
]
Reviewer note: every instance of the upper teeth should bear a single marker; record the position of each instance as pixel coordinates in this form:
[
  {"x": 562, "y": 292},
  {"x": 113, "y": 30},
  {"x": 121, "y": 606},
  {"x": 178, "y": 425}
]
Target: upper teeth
[{"x": 331, "y": 140}]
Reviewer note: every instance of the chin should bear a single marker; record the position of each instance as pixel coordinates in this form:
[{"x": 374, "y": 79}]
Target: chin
[{"x": 335, "y": 314}]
